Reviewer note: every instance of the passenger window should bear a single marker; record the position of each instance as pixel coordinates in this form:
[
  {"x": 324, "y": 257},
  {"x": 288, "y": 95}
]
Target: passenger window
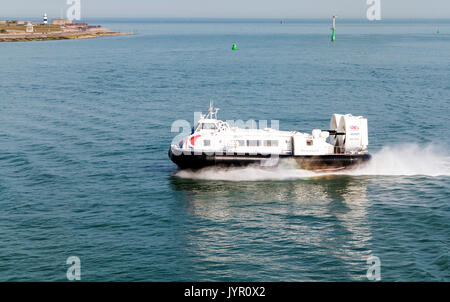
[
  {"x": 252, "y": 143},
  {"x": 206, "y": 143},
  {"x": 271, "y": 143},
  {"x": 309, "y": 142},
  {"x": 209, "y": 126}
]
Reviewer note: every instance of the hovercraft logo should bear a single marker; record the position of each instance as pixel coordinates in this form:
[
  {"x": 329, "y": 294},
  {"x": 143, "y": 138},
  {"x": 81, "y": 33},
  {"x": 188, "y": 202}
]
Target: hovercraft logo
[
  {"x": 354, "y": 128},
  {"x": 193, "y": 139}
]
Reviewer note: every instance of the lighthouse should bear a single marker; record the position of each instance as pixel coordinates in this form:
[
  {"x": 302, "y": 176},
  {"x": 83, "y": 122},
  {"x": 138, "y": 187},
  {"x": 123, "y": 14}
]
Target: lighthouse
[{"x": 45, "y": 18}]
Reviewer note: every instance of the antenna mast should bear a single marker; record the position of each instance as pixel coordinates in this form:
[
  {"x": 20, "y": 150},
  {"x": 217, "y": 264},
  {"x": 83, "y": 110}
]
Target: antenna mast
[{"x": 212, "y": 112}]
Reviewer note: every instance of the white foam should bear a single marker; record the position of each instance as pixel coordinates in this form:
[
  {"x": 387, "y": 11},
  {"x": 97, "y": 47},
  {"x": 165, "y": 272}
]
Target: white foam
[
  {"x": 406, "y": 160},
  {"x": 400, "y": 160},
  {"x": 285, "y": 171}
]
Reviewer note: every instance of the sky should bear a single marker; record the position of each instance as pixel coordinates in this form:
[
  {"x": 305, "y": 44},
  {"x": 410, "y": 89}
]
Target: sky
[{"x": 227, "y": 8}]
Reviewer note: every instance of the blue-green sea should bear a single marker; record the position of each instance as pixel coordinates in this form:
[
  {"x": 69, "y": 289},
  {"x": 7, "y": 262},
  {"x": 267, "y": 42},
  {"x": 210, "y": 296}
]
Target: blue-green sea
[{"x": 85, "y": 126}]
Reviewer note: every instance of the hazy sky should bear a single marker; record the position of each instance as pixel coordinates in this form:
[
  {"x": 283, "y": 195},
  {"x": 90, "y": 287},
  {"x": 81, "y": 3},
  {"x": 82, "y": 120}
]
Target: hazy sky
[{"x": 228, "y": 8}]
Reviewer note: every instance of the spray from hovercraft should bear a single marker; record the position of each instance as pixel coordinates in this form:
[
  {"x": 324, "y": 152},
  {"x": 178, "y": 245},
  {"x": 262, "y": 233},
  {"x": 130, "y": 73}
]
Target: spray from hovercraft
[{"x": 397, "y": 160}]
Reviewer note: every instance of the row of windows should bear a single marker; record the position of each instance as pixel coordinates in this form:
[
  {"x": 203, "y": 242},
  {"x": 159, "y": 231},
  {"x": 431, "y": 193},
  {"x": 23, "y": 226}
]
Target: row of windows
[
  {"x": 258, "y": 143},
  {"x": 249, "y": 143}
]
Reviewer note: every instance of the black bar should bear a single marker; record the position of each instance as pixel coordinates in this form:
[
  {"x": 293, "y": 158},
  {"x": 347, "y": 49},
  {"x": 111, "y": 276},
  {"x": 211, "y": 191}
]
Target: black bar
[
  {"x": 334, "y": 132},
  {"x": 224, "y": 291}
]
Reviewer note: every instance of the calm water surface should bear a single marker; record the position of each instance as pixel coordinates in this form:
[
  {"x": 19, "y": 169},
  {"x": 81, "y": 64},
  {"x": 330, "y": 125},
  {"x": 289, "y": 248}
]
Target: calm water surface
[{"x": 85, "y": 129}]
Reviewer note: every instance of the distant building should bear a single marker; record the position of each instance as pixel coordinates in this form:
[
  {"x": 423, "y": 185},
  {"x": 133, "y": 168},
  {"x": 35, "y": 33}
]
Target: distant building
[
  {"x": 61, "y": 21},
  {"x": 29, "y": 27},
  {"x": 82, "y": 26},
  {"x": 78, "y": 24},
  {"x": 3, "y": 22}
]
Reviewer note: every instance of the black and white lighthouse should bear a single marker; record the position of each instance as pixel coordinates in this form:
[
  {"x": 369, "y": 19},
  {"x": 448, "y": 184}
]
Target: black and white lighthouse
[{"x": 45, "y": 18}]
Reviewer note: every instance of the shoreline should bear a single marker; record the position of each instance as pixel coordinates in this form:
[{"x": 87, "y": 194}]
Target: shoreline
[{"x": 54, "y": 36}]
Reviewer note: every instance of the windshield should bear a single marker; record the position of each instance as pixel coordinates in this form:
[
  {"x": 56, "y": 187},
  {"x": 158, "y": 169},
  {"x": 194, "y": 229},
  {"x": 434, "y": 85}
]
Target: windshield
[{"x": 209, "y": 126}]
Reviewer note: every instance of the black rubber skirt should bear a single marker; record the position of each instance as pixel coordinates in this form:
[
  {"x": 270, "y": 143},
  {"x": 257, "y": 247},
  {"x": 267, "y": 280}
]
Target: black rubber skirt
[{"x": 309, "y": 162}]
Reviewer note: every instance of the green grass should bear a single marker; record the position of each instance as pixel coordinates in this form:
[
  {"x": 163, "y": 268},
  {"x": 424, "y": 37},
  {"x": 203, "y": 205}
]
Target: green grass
[{"x": 38, "y": 28}]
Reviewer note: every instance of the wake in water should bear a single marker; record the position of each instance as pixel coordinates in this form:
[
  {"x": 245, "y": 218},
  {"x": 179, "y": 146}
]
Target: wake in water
[{"x": 402, "y": 160}]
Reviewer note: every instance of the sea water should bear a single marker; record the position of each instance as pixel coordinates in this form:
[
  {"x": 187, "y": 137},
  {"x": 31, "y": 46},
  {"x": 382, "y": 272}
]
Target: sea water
[{"x": 85, "y": 126}]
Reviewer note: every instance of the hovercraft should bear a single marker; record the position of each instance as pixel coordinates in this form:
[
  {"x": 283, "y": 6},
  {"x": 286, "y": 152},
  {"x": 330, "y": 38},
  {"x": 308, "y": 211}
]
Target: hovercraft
[{"x": 215, "y": 143}]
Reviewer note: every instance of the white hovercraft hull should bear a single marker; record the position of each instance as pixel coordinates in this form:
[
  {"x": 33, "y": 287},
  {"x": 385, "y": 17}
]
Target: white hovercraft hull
[{"x": 215, "y": 143}]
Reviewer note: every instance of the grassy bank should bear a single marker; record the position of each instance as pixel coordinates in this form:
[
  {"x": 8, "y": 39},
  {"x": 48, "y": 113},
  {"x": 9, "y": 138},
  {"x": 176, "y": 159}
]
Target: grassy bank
[
  {"x": 57, "y": 36},
  {"x": 5, "y": 28}
]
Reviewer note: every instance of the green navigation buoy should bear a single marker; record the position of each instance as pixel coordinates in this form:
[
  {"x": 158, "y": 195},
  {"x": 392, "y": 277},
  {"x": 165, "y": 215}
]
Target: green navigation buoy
[
  {"x": 234, "y": 47},
  {"x": 438, "y": 31},
  {"x": 333, "y": 29}
]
